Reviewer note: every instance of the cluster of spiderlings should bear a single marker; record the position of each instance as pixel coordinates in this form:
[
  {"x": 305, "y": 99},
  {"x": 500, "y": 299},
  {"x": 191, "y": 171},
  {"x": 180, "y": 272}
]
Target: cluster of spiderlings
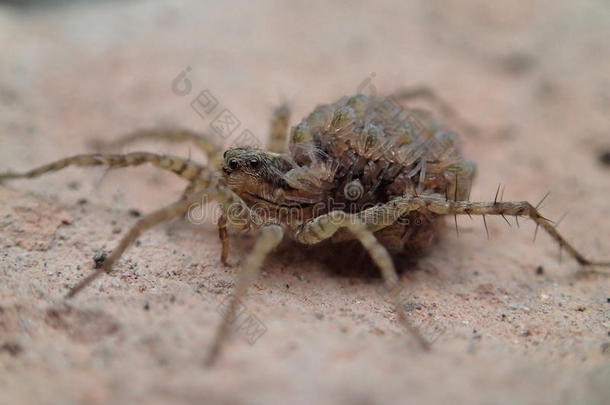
[{"x": 359, "y": 127}]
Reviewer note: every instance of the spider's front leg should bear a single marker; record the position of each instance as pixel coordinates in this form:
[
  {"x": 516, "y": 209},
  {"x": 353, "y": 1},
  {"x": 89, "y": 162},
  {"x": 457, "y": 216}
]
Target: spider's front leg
[
  {"x": 179, "y": 208},
  {"x": 325, "y": 226},
  {"x": 270, "y": 236},
  {"x": 223, "y": 235},
  {"x": 237, "y": 215},
  {"x": 162, "y": 215},
  {"x": 204, "y": 142},
  {"x": 184, "y": 168}
]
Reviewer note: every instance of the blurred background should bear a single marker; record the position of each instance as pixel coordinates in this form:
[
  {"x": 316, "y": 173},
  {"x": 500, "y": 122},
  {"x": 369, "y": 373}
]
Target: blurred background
[{"x": 531, "y": 76}]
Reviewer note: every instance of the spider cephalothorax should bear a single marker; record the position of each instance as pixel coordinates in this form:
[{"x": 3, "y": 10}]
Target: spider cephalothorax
[
  {"x": 261, "y": 179},
  {"x": 258, "y": 176},
  {"x": 358, "y": 168}
]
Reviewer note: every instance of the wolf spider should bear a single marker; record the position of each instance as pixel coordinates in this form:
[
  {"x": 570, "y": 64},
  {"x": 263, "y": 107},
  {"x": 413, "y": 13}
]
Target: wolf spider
[{"x": 354, "y": 169}]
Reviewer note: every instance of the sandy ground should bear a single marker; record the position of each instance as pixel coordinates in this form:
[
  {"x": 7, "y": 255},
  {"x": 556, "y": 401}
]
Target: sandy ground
[{"x": 533, "y": 77}]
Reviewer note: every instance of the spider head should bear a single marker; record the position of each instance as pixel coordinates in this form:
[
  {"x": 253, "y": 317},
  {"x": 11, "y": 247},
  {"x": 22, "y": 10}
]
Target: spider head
[{"x": 255, "y": 174}]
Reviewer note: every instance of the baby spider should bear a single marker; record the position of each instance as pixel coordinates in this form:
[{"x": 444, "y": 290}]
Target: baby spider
[{"x": 359, "y": 168}]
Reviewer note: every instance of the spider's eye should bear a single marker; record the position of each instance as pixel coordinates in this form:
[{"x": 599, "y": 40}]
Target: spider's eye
[
  {"x": 254, "y": 163},
  {"x": 233, "y": 164},
  {"x": 224, "y": 155}
]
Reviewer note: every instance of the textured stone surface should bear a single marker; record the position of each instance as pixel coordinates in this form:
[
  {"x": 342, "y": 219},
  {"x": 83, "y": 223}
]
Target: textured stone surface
[{"x": 533, "y": 77}]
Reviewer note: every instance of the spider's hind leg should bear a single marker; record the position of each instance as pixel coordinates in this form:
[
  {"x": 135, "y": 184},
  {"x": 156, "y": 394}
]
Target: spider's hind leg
[
  {"x": 279, "y": 129},
  {"x": 512, "y": 208},
  {"x": 445, "y": 109}
]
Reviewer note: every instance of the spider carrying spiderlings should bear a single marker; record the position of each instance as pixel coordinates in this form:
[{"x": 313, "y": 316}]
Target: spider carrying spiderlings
[{"x": 358, "y": 169}]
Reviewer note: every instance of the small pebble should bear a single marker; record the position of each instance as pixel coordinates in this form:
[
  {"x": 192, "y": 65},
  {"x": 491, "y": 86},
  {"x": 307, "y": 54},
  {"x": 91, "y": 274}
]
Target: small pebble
[
  {"x": 99, "y": 259},
  {"x": 12, "y": 348},
  {"x": 604, "y": 158},
  {"x": 74, "y": 185},
  {"x": 135, "y": 213},
  {"x": 517, "y": 63}
]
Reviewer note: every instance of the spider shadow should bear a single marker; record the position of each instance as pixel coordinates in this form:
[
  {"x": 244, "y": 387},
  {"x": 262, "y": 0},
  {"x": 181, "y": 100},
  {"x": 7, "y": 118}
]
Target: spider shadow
[{"x": 346, "y": 259}]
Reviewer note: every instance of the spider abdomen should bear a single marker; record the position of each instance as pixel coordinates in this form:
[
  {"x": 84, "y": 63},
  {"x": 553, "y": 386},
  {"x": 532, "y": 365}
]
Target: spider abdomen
[{"x": 371, "y": 151}]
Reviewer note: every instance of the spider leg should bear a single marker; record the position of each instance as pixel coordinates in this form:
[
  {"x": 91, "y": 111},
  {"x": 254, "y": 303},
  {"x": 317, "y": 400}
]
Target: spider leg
[
  {"x": 270, "y": 237},
  {"x": 223, "y": 235},
  {"x": 325, "y": 226},
  {"x": 203, "y": 142},
  {"x": 190, "y": 189},
  {"x": 514, "y": 208},
  {"x": 377, "y": 218},
  {"x": 235, "y": 212},
  {"x": 162, "y": 215},
  {"x": 179, "y": 208},
  {"x": 279, "y": 129},
  {"x": 196, "y": 185},
  {"x": 184, "y": 168},
  {"x": 237, "y": 215},
  {"x": 444, "y": 108}
]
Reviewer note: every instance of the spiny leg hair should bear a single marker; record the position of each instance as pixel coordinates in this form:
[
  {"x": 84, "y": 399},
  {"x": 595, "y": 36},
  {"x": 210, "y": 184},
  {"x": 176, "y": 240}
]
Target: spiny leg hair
[{"x": 377, "y": 218}]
